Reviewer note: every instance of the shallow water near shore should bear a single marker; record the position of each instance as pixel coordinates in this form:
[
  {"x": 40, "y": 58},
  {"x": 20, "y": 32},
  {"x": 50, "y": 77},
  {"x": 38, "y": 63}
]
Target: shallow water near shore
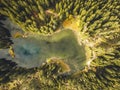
[{"x": 34, "y": 50}]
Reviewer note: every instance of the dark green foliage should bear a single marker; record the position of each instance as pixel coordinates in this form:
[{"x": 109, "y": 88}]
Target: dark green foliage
[
  {"x": 5, "y": 41},
  {"x": 9, "y": 70},
  {"x": 99, "y": 19},
  {"x": 33, "y": 17}
]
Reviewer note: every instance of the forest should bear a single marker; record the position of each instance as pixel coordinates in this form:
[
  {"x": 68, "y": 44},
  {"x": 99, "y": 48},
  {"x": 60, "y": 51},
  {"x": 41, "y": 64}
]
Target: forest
[{"x": 98, "y": 29}]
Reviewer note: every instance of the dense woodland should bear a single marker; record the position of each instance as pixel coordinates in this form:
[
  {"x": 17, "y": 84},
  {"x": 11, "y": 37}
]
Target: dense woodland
[{"x": 102, "y": 21}]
